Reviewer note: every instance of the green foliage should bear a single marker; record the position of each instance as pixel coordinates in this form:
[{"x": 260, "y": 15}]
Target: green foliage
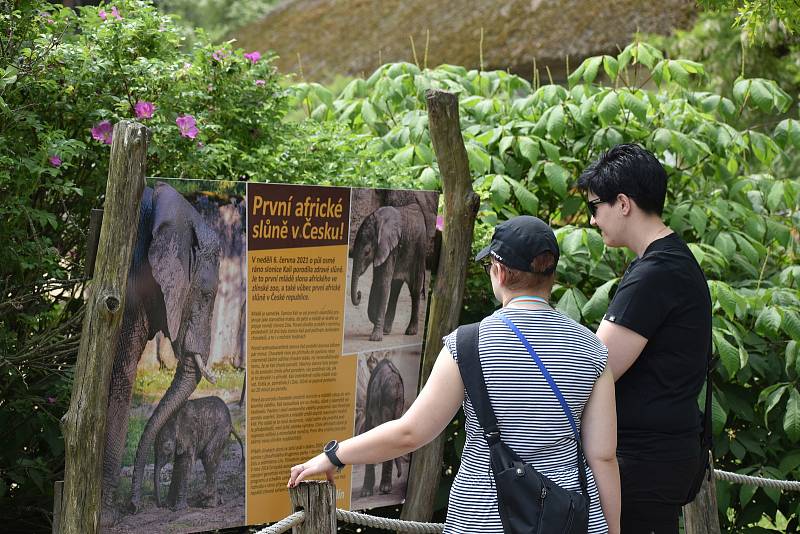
[
  {"x": 218, "y": 18},
  {"x": 732, "y": 197},
  {"x": 756, "y": 16},
  {"x": 63, "y": 74}
]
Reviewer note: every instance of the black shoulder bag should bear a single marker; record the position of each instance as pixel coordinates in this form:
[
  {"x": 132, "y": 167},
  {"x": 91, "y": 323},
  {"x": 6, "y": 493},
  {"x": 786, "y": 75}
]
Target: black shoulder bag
[{"x": 528, "y": 501}]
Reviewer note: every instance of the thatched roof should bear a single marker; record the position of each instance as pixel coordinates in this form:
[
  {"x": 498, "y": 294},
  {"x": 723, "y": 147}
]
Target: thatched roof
[{"x": 355, "y": 36}]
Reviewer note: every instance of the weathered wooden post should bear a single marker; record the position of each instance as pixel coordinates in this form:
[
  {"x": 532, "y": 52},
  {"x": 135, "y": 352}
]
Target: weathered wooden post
[
  {"x": 84, "y": 424},
  {"x": 460, "y": 208},
  {"x": 701, "y": 516},
  {"x": 318, "y": 499}
]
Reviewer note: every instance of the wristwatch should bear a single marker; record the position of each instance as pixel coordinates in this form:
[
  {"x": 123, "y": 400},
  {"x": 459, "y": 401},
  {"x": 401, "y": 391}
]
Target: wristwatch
[{"x": 330, "y": 449}]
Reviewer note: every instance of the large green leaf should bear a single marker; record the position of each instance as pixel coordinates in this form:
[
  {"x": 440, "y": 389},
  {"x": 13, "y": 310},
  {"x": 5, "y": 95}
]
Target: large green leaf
[
  {"x": 728, "y": 354},
  {"x": 557, "y": 177},
  {"x": 772, "y": 398},
  {"x": 479, "y": 160},
  {"x": 635, "y": 104},
  {"x": 791, "y": 324},
  {"x": 725, "y": 244},
  {"x": 768, "y": 322},
  {"x": 791, "y": 419},
  {"x": 529, "y": 149},
  {"x": 726, "y": 298},
  {"x": 608, "y": 109},
  {"x": 571, "y": 303},
  {"x": 527, "y": 199},
  {"x": 597, "y": 305},
  {"x": 555, "y": 122},
  {"x": 787, "y": 133},
  {"x": 500, "y": 189}
]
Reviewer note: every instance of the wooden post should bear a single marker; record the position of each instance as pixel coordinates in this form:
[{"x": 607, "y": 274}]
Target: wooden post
[
  {"x": 84, "y": 424},
  {"x": 701, "y": 516},
  {"x": 460, "y": 209},
  {"x": 318, "y": 499},
  {"x": 58, "y": 491},
  {"x": 93, "y": 241}
]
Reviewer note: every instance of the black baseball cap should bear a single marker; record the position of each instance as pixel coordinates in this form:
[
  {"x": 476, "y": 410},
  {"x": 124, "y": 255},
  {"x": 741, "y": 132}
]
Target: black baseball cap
[{"x": 517, "y": 241}]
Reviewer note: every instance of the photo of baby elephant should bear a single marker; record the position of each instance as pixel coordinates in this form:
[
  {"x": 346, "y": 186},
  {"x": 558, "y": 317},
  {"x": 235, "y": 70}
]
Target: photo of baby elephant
[
  {"x": 391, "y": 242},
  {"x": 386, "y": 385},
  {"x": 200, "y": 428},
  {"x": 385, "y": 402}
]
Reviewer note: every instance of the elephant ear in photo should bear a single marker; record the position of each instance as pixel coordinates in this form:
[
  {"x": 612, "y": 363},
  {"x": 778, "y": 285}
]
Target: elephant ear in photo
[
  {"x": 171, "y": 252},
  {"x": 390, "y": 225}
]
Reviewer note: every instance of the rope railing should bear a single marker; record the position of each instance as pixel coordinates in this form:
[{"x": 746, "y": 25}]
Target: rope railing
[
  {"x": 761, "y": 482},
  {"x": 388, "y": 524},
  {"x": 284, "y": 524},
  {"x": 417, "y": 527}
]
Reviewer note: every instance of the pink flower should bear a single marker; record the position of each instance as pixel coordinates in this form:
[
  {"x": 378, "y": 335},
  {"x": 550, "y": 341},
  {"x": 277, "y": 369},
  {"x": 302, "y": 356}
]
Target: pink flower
[
  {"x": 102, "y": 14},
  {"x": 103, "y": 132},
  {"x": 51, "y": 400},
  {"x": 220, "y": 54},
  {"x": 253, "y": 56},
  {"x": 187, "y": 126},
  {"x": 259, "y": 82},
  {"x": 144, "y": 110},
  {"x": 115, "y": 13},
  {"x": 440, "y": 222},
  {"x": 55, "y": 161}
]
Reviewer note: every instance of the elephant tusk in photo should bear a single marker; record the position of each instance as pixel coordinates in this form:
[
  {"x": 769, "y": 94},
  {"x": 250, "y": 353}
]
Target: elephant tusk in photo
[{"x": 203, "y": 369}]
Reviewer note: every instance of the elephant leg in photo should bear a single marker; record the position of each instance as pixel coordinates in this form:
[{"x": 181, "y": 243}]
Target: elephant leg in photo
[
  {"x": 179, "y": 485},
  {"x": 391, "y": 306},
  {"x": 368, "y": 487},
  {"x": 386, "y": 476},
  {"x": 130, "y": 344},
  {"x": 164, "y": 449},
  {"x": 416, "y": 286},
  {"x": 209, "y": 498},
  {"x": 378, "y": 297}
]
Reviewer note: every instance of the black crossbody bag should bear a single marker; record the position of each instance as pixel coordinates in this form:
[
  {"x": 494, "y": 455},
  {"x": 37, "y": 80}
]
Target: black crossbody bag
[{"x": 528, "y": 501}]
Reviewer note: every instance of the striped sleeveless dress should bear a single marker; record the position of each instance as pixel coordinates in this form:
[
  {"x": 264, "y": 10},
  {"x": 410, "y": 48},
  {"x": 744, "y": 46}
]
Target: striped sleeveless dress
[{"x": 529, "y": 415}]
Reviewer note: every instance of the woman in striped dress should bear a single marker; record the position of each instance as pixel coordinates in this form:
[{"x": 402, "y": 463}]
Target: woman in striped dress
[{"x": 520, "y": 262}]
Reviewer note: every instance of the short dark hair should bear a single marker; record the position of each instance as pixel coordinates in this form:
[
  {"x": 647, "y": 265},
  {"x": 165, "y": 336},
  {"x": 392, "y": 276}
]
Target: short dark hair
[
  {"x": 631, "y": 170},
  {"x": 542, "y": 273}
]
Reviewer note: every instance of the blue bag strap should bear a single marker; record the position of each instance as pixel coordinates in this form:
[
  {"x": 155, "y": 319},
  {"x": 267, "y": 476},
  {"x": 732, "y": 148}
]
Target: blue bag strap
[{"x": 546, "y": 374}]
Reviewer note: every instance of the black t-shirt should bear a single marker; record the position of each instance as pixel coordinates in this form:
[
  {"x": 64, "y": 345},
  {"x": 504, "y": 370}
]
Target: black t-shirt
[{"x": 663, "y": 297}]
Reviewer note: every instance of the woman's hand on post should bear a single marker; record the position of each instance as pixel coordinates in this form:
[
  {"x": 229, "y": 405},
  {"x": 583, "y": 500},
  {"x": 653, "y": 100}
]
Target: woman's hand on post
[{"x": 315, "y": 466}]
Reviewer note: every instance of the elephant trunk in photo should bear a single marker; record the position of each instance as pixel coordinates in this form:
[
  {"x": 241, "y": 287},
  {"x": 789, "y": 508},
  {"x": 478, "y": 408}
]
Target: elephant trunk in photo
[{"x": 355, "y": 294}]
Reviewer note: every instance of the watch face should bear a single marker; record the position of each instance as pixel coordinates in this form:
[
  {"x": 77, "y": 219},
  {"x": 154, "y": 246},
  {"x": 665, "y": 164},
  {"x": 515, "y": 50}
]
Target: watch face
[{"x": 330, "y": 445}]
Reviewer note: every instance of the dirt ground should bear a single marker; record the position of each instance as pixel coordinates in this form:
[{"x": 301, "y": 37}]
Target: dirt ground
[
  {"x": 357, "y": 326},
  {"x": 230, "y": 486}
]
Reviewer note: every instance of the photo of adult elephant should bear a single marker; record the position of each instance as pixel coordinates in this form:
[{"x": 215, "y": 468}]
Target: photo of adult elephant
[
  {"x": 174, "y": 287},
  {"x": 386, "y": 385},
  {"x": 391, "y": 249}
]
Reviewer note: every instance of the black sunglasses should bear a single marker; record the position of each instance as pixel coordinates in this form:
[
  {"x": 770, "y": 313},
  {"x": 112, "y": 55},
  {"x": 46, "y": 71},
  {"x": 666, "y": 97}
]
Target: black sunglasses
[
  {"x": 486, "y": 263},
  {"x": 592, "y": 205}
]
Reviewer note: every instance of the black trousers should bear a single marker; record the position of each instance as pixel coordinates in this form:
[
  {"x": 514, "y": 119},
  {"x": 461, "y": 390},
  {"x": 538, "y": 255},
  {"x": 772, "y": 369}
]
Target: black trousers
[{"x": 653, "y": 493}]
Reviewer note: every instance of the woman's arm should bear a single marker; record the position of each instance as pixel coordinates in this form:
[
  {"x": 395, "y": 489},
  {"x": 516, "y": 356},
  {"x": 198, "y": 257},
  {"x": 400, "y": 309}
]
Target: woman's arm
[
  {"x": 599, "y": 438},
  {"x": 427, "y": 417}
]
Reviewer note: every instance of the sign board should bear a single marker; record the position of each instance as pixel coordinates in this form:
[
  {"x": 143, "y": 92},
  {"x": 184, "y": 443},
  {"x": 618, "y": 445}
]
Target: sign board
[{"x": 304, "y": 305}]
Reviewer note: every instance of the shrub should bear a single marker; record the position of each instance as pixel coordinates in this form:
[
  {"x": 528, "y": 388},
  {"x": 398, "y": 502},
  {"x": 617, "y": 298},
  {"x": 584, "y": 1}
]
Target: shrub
[
  {"x": 733, "y": 196},
  {"x": 65, "y": 78}
]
